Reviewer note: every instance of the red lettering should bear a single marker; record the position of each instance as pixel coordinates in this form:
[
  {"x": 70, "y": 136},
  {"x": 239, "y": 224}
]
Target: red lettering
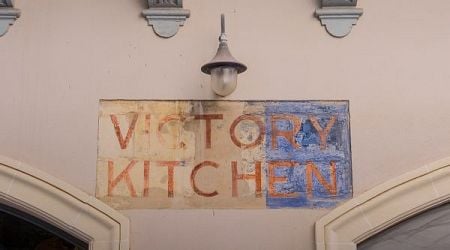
[
  {"x": 170, "y": 169},
  {"x": 146, "y": 178},
  {"x": 194, "y": 174},
  {"x": 124, "y": 142},
  {"x": 287, "y": 134},
  {"x": 256, "y": 177},
  {"x": 280, "y": 179},
  {"x": 147, "y": 123},
  {"x": 168, "y": 119},
  {"x": 258, "y": 140},
  {"x": 125, "y": 174},
  {"x": 208, "y": 119},
  {"x": 311, "y": 169},
  {"x": 323, "y": 133}
]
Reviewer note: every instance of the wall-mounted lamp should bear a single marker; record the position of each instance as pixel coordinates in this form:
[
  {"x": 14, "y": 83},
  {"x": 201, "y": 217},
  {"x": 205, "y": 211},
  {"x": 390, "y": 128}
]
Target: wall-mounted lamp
[
  {"x": 223, "y": 68},
  {"x": 8, "y": 14}
]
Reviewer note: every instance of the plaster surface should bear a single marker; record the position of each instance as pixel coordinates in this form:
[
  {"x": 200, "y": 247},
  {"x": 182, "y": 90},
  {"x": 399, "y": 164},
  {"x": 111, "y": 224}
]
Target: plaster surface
[{"x": 62, "y": 56}]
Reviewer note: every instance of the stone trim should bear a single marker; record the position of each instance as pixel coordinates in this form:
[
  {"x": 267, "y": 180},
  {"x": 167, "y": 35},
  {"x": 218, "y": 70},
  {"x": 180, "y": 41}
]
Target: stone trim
[
  {"x": 166, "y": 16},
  {"x": 60, "y": 204},
  {"x": 384, "y": 206},
  {"x": 338, "y": 16}
]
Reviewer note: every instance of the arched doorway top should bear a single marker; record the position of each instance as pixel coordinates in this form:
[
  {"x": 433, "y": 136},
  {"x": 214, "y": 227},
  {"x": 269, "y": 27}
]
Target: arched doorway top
[
  {"x": 384, "y": 206},
  {"x": 60, "y": 204}
]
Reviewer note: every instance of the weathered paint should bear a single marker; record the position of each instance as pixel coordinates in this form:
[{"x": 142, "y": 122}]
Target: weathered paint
[{"x": 223, "y": 154}]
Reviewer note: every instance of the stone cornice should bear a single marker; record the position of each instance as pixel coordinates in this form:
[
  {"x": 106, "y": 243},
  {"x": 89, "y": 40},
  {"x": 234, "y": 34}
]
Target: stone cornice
[
  {"x": 339, "y": 16},
  {"x": 166, "y": 16}
]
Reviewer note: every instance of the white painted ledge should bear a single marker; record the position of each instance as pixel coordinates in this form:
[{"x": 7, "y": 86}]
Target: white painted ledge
[
  {"x": 166, "y": 21},
  {"x": 62, "y": 205},
  {"x": 339, "y": 21},
  {"x": 384, "y": 206}
]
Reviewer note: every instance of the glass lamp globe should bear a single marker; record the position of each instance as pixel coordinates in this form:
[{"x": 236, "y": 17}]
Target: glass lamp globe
[{"x": 223, "y": 80}]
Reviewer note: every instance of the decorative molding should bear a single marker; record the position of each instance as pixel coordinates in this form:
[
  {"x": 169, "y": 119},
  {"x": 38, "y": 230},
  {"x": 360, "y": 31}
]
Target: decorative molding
[
  {"x": 339, "y": 16},
  {"x": 8, "y": 15},
  {"x": 6, "y": 3},
  {"x": 166, "y": 16},
  {"x": 334, "y": 3},
  {"x": 62, "y": 205},
  {"x": 384, "y": 206}
]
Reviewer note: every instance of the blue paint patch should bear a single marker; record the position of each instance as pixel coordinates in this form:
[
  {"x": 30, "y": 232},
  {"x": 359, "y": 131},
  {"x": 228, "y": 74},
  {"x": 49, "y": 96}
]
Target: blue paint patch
[{"x": 337, "y": 151}]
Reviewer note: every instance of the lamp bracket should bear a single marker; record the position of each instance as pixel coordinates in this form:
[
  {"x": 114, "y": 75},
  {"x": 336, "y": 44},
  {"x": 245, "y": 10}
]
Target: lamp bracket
[
  {"x": 166, "y": 16},
  {"x": 8, "y": 14},
  {"x": 338, "y": 16}
]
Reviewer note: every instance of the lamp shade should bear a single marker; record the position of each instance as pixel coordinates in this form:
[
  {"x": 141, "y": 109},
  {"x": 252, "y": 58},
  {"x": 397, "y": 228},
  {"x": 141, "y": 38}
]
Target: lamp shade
[{"x": 223, "y": 58}]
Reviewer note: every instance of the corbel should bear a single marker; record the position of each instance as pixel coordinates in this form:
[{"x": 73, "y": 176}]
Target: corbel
[
  {"x": 338, "y": 16},
  {"x": 166, "y": 16},
  {"x": 8, "y": 14}
]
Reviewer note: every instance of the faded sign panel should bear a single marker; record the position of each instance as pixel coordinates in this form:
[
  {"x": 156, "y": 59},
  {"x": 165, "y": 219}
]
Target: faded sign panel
[{"x": 223, "y": 154}]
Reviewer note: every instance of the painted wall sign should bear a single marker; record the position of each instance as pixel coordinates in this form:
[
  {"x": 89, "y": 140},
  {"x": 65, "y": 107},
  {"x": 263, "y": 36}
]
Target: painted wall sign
[{"x": 224, "y": 154}]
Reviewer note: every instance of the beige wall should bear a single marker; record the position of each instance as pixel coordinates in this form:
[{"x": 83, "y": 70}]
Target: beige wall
[{"x": 62, "y": 56}]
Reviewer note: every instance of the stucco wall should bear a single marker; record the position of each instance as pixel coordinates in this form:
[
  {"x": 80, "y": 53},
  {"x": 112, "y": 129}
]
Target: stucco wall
[{"x": 62, "y": 56}]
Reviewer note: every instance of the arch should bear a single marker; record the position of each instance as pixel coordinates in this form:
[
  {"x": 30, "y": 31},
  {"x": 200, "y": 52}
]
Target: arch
[
  {"x": 384, "y": 206},
  {"x": 62, "y": 205}
]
